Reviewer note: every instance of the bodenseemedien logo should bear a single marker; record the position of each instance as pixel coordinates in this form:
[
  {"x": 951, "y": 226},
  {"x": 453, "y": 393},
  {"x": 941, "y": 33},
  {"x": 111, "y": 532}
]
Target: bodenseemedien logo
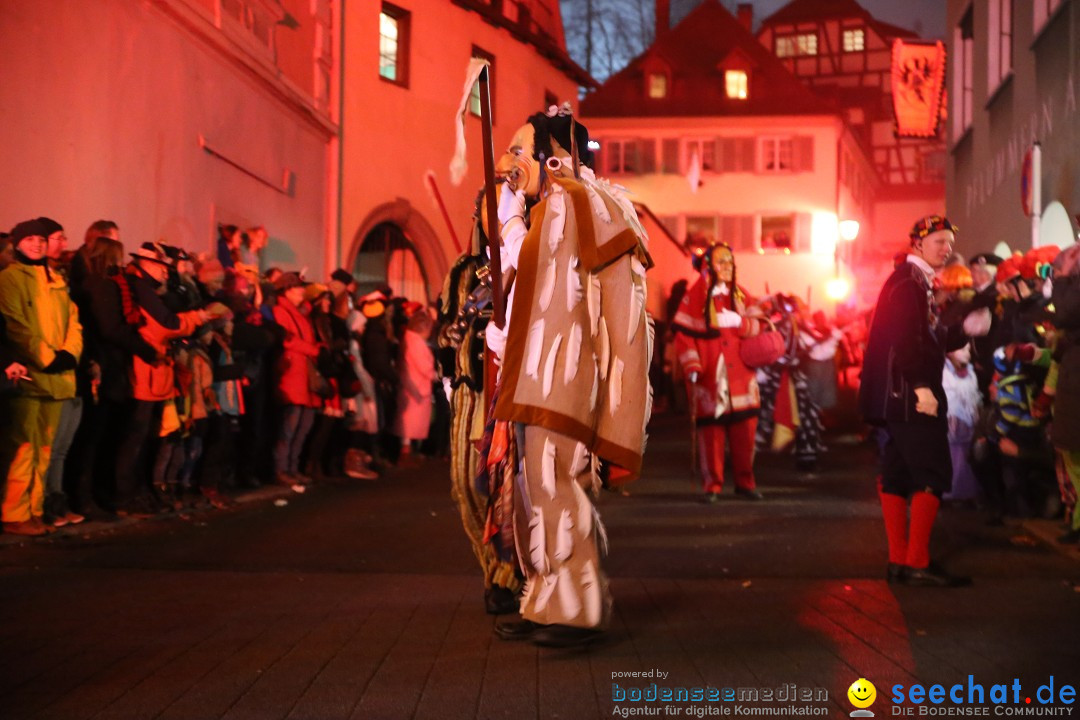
[{"x": 861, "y": 694}]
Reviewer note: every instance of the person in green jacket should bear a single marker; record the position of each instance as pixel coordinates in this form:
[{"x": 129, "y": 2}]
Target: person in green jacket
[{"x": 44, "y": 334}]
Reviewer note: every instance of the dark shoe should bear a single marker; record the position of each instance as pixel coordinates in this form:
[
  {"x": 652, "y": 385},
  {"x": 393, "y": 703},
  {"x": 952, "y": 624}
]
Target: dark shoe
[
  {"x": 514, "y": 630},
  {"x": 500, "y": 601},
  {"x": 1070, "y": 537},
  {"x": 895, "y": 573},
  {"x": 749, "y": 494},
  {"x": 25, "y": 527},
  {"x": 564, "y": 636},
  {"x": 932, "y": 577}
]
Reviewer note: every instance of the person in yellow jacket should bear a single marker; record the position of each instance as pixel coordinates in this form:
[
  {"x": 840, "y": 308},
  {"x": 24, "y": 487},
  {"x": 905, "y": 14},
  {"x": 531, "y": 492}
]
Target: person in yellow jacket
[{"x": 43, "y": 333}]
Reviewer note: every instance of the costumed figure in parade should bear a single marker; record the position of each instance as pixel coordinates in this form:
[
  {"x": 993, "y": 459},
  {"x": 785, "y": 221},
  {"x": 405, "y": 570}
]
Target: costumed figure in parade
[
  {"x": 573, "y": 392},
  {"x": 901, "y": 392},
  {"x": 465, "y": 311},
  {"x": 788, "y": 411},
  {"x": 710, "y": 327}
]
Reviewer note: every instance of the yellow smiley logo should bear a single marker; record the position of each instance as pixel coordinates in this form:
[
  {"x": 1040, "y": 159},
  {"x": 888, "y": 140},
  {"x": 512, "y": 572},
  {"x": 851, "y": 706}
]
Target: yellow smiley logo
[{"x": 862, "y": 693}]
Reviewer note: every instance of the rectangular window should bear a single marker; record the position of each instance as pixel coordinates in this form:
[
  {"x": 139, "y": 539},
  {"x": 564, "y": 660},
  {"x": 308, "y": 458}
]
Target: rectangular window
[
  {"x": 1043, "y": 10},
  {"x": 701, "y": 229},
  {"x": 776, "y": 154},
  {"x": 706, "y": 154},
  {"x": 963, "y": 74},
  {"x": 800, "y": 44},
  {"x": 735, "y": 84},
  {"x": 999, "y": 42},
  {"x": 474, "y": 96},
  {"x": 670, "y": 151},
  {"x": 777, "y": 234},
  {"x": 854, "y": 40},
  {"x": 394, "y": 44},
  {"x": 657, "y": 85},
  {"x": 622, "y": 156}
]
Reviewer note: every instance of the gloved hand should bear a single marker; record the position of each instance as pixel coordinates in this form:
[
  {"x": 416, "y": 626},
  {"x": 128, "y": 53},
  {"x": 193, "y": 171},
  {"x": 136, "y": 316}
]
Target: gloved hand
[
  {"x": 496, "y": 341},
  {"x": 693, "y": 378},
  {"x": 511, "y": 205},
  {"x": 448, "y": 390},
  {"x": 63, "y": 362},
  {"x": 729, "y": 319},
  {"x": 926, "y": 404},
  {"x": 977, "y": 322}
]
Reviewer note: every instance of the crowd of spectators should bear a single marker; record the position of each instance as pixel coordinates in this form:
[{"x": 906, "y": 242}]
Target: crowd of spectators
[{"x": 154, "y": 381}]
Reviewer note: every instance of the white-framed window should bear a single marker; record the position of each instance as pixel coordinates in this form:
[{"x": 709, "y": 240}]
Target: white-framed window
[
  {"x": 249, "y": 20},
  {"x": 701, "y": 229},
  {"x": 657, "y": 85},
  {"x": 776, "y": 154},
  {"x": 963, "y": 73},
  {"x": 799, "y": 44},
  {"x": 854, "y": 40},
  {"x": 777, "y": 234},
  {"x": 735, "y": 84},
  {"x": 706, "y": 153},
  {"x": 621, "y": 156},
  {"x": 1043, "y": 10},
  {"x": 999, "y": 42},
  {"x": 394, "y": 44}
]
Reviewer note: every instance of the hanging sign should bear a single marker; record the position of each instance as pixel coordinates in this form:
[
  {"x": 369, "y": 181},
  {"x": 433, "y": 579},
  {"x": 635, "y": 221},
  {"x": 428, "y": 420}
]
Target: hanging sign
[{"x": 918, "y": 84}]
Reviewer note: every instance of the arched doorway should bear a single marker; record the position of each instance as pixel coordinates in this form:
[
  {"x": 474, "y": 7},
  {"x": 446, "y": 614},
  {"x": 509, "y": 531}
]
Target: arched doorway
[
  {"x": 413, "y": 251},
  {"x": 387, "y": 257}
]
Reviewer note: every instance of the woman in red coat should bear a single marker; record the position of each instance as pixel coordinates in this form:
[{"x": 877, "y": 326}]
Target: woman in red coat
[
  {"x": 294, "y": 368},
  {"x": 709, "y": 329}
]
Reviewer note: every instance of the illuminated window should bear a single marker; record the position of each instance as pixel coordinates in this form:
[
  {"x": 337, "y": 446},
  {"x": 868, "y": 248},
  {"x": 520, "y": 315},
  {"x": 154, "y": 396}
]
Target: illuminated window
[
  {"x": 776, "y": 154},
  {"x": 1043, "y": 10},
  {"x": 657, "y": 85},
  {"x": 777, "y": 234},
  {"x": 999, "y": 42},
  {"x": 801, "y": 44},
  {"x": 474, "y": 96},
  {"x": 735, "y": 84},
  {"x": 394, "y": 44},
  {"x": 854, "y": 40}
]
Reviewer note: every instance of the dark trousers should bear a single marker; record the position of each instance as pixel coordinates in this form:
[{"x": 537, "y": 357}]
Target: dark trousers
[
  {"x": 296, "y": 423},
  {"x": 915, "y": 457},
  {"x": 90, "y": 474},
  {"x": 141, "y": 428}
]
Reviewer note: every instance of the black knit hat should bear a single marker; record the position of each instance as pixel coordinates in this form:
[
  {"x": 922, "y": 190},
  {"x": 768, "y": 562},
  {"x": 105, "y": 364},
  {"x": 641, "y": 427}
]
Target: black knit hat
[
  {"x": 28, "y": 228},
  {"x": 342, "y": 275},
  {"x": 50, "y": 226}
]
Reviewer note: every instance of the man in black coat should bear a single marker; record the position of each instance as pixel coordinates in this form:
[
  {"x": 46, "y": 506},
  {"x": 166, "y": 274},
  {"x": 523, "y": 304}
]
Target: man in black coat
[{"x": 901, "y": 392}]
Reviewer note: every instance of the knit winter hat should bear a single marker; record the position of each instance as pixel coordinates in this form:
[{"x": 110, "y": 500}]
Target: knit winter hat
[
  {"x": 28, "y": 228},
  {"x": 342, "y": 275},
  {"x": 50, "y": 226}
]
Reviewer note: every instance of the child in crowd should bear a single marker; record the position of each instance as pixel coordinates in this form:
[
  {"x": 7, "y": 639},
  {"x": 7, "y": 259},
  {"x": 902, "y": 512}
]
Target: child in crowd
[
  {"x": 417, "y": 373},
  {"x": 962, "y": 392}
]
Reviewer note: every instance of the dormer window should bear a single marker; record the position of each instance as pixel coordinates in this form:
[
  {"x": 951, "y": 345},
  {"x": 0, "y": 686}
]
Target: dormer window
[
  {"x": 735, "y": 84},
  {"x": 854, "y": 40},
  {"x": 800, "y": 44},
  {"x": 657, "y": 85}
]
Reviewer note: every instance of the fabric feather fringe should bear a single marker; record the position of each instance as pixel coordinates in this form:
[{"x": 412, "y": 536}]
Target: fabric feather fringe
[
  {"x": 573, "y": 354},
  {"x": 564, "y": 537},
  {"x": 605, "y": 350},
  {"x": 615, "y": 386},
  {"x": 637, "y": 307},
  {"x": 538, "y": 542},
  {"x": 557, "y": 219},
  {"x": 579, "y": 462},
  {"x": 535, "y": 349},
  {"x": 547, "y": 468},
  {"x": 583, "y": 511},
  {"x": 592, "y": 293},
  {"x": 599, "y": 207},
  {"x": 601, "y": 532},
  {"x": 544, "y": 592},
  {"x": 549, "y": 366},
  {"x": 547, "y": 291},
  {"x": 595, "y": 385},
  {"x": 574, "y": 290},
  {"x": 592, "y": 594},
  {"x": 568, "y": 596}
]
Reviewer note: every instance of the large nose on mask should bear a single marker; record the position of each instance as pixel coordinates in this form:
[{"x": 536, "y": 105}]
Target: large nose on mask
[{"x": 504, "y": 165}]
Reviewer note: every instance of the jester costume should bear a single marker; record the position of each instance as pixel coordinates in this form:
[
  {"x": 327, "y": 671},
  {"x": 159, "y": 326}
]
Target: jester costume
[
  {"x": 465, "y": 310},
  {"x": 788, "y": 412}
]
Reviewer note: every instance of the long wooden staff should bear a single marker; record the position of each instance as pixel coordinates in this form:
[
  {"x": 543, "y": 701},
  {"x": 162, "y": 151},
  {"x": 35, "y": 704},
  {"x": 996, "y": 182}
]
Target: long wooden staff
[
  {"x": 498, "y": 302},
  {"x": 693, "y": 434}
]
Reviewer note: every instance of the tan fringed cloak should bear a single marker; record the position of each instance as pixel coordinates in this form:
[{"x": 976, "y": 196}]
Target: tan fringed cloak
[{"x": 579, "y": 342}]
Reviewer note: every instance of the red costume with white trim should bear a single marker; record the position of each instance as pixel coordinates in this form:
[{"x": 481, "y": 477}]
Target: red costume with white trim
[{"x": 725, "y": 394}]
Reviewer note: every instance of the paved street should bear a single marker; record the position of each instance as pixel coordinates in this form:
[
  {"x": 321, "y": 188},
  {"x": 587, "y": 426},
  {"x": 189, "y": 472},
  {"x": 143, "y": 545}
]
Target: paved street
[{"x": 361, "y": 600}]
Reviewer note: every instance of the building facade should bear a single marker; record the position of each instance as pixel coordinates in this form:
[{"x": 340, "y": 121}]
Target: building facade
[
  {"x": 718, "y": 139},
  {"x": 172, "y": 116},
  {"x": 1014, "y": 81},
  {"x": 405, "y": 64}
]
